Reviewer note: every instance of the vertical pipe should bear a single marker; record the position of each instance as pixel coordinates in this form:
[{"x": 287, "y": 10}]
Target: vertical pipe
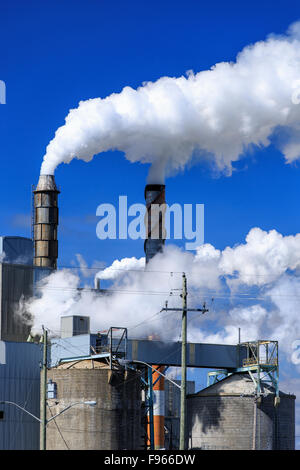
[
  {"x": 150, "y": 408},
  {"x": 182, "y": 440},
  {"x": 155, "y": 239},
  {"x": 43, "y": 423},
  {"x": 254, "y": 424},
  {"x": 159, "y": 408}
]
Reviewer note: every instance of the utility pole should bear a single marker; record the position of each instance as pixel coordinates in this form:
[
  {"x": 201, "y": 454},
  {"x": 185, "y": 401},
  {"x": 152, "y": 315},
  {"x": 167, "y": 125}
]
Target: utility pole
[
  {"x": 43, "y": 392},
  {"x": 182, "y": 438},
  {"x": 183, "y": 366}
]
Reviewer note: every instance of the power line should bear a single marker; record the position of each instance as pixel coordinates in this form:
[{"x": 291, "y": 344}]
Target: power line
[
  {"x": 83, "y": 289},
  {"x": 159, "y": 293}
]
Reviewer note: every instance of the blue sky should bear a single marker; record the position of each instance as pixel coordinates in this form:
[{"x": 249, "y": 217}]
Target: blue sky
[{"x": 54, "y": 54}]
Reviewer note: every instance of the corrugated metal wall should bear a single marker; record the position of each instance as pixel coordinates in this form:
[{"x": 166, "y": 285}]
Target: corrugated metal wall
[
  {"x": 19, "y": 383},
  {"x": 16, "y": 280},
  {"x": 17, "y": 250}
]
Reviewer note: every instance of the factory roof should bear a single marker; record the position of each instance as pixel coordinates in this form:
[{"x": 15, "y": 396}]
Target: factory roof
[{"x": 83, "y": 364}]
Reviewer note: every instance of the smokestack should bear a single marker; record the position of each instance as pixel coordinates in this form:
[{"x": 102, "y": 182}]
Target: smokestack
[
  {"x": 155, "y": 196},
  {"x": 45, "y": 222}
]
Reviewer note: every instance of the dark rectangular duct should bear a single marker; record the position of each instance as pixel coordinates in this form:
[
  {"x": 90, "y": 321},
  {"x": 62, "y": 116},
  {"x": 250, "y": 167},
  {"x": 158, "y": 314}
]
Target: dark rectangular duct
[{"x": 155, "y": 229}]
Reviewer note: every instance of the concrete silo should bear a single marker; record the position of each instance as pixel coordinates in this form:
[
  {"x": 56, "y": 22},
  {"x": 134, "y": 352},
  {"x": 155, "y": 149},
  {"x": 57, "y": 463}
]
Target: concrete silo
[
  {"x": 114, "y": 423},
  {"x": 228, "y": 415}
]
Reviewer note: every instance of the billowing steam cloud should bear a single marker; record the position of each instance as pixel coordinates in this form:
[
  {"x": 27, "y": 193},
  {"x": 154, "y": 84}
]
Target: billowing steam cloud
[
  {"x": 255, "y": 286},
  {"x": 216, "y": 114},
  {"x": 119, "y": 266}
]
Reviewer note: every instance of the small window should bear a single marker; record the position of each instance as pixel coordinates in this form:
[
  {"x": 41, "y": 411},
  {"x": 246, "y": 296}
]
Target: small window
[{"x": 1, "y": 415}]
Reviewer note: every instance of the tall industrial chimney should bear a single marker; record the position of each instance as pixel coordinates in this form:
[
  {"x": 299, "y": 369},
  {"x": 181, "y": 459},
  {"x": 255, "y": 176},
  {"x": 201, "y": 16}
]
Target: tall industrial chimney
[
  {"x": 155, "y": 197},
  {"x": 45, "y": 222}
]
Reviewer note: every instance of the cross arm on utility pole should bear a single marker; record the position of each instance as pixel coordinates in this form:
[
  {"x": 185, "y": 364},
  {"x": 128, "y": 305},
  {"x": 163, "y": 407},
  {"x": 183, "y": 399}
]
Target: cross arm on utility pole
[{"x": 203, "y": 310}]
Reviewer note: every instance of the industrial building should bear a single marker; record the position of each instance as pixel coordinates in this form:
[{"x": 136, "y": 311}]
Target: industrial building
[
  {"x": 19, "y": 360},
  {"x": 107, "y": 391},
  {"x": 20, "y": 384},
  {"x": 16, "y": 282},
  {"x": 239, "y": 410},
  {"x": 230, "y": 416}
]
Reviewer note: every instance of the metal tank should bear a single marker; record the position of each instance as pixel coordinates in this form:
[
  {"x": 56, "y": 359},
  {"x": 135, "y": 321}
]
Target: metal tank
[
  {"x": 114, "y": 423},
  {"x": 45, "y": 222},
  {"x": 229, "y": 416}
]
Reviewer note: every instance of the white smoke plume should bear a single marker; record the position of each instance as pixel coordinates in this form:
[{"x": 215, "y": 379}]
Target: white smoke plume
[
  {"x": 217, "y": 114},
  {"x": 255, "y": 287},
  {"x": 119, "y": 266}
]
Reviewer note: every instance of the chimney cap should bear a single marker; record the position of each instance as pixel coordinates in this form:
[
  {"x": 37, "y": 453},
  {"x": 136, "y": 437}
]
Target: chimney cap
[
  {"x": 154, "y": 187},
  {"x": 46, "y": 183}
]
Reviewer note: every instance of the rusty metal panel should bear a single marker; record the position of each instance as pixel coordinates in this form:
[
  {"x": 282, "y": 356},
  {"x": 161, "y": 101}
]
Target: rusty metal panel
[
  {"x": 48, "y": 232},
  {"x": 38, "y": 200},
  {"x": 38, "y": 232},
  {"x": 42, "y": 215},
  {"x": 42, "y": 249}
]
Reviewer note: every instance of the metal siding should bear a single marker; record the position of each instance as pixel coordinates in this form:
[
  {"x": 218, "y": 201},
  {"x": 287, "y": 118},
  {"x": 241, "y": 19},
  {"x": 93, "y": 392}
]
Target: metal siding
[
  {"x": 74, "y": 325},
  {"x": 20, "y": 383},
  {"x": 17, "y": 250},
  {"x": 16, "y": 281},
  {"x": 62, "y": 348},
  {"x": 1, "y": 297},
  {"x": 199, "y": 354}
]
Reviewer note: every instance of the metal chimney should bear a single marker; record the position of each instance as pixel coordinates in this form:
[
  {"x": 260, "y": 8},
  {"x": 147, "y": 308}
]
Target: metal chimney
[
  {"x": 155, "y": 194},
  {"x": 155, "y": 229},
  {"x": 45, "y": 222}
]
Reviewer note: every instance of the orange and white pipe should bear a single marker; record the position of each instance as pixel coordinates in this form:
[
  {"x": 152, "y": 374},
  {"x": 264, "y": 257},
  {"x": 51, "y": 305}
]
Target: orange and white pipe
[{"x": 159, "y": 407}]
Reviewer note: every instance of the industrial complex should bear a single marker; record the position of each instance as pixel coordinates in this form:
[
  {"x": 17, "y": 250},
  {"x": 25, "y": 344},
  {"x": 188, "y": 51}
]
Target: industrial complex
[{"x": 84, "y": 390}]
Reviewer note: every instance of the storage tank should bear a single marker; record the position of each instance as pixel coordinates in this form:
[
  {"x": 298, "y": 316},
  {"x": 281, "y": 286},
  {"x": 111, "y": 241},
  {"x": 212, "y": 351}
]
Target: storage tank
[
  {"x": 114, "y": 423},
  {"x": 228, "y": 416}
]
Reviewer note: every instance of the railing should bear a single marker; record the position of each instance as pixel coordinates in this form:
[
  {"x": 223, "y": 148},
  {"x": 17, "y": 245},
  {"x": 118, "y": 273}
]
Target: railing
[
  {"x": 252, "y": 361},
  {"x": 114, "y": 342}
]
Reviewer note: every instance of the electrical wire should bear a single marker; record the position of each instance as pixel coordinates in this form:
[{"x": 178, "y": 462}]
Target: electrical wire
[{"x": 57, "y": 427}]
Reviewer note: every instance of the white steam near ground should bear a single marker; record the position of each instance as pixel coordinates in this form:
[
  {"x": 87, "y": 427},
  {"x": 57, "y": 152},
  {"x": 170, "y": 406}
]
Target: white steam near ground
[
  {"x": 254, "y": 286},
  {"x": 217, "y": 114}
]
